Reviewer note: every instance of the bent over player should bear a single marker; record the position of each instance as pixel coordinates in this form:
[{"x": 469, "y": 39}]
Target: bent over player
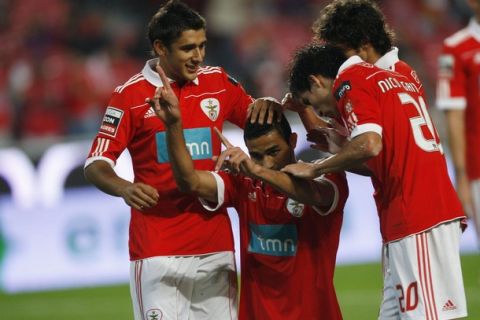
[{"x": 392, "y": 133}]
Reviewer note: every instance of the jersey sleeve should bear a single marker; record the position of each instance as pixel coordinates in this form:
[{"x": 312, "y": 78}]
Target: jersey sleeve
[
  {"x": 359, "y": 107},
  {"x": 115, "y": 131},
  {"x": 451, "y": 81},
  {"x": 239, "y": 101},
  {"x": 225, "y": 192},
  {"x": 339, "y": 183}
]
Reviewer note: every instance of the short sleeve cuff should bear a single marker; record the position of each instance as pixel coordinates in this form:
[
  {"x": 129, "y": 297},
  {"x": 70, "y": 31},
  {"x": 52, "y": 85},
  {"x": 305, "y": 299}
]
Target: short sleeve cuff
[
  {"x": 452, "y": 104},
  {"x": 335, "y": 197},
  {"x": 367, "y": 127},
  {"x": 220, "y": 194},
  {"x": 93, "y": 159}
]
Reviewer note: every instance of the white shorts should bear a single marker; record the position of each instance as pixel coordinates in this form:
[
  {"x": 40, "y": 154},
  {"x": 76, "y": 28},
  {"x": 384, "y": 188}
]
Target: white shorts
[
  {"x": 423, "y": 276},
  {"x": 475, "y": 186},
  {"x": 184, "y": 287}
]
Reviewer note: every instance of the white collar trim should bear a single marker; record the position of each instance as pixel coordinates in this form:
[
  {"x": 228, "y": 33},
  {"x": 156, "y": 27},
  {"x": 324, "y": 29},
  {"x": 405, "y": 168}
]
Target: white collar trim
[
  {"x": 474, "y": 28},
  {"x": 388, "y": 60},
  {"x": 350, "y": 62},
  {"x": 152, "y": 76}
]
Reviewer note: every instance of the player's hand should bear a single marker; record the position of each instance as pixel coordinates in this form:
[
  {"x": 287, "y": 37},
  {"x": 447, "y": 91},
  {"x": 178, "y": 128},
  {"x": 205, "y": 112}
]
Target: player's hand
[
  {"x": 264, "y": 107},
  {"x": 233, "y": 158},
  {"x": 140, "y": 196},
  {"x": 465, "y": 194},
  {"x": 329, "y": 139},
  {"x": 301, "y": 170},
  {"x": 292, "y": 104},
  {"x": 165, "y": 102}
]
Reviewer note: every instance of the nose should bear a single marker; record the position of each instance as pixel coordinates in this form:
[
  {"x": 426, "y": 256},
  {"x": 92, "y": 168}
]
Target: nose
[{"x": 197, "y": 55}]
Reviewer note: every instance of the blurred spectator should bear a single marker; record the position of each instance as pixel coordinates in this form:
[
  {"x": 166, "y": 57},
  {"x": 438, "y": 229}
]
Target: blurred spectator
[{"x": 57, "y": 67}]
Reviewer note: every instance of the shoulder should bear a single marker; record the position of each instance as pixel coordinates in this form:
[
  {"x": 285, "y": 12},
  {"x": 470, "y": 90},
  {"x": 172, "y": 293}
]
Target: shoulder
[
  {"x": 211, "y": 73},
  {"x": 131, "y": 84},
  {"x": 458, "y": 38}
]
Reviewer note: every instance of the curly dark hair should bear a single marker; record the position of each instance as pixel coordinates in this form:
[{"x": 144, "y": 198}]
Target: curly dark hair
[
  {"x": 171, "y": 20},
  {"x": 314, "y": 59},
  {"x": 353, "y": 23}
]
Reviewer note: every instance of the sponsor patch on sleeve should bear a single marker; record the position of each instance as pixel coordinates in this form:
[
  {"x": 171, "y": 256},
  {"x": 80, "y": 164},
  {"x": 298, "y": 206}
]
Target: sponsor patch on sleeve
[
  {"x": 111, "y": 121},
  {"x": 342, "y": 89},
  {"x": 445, "y": 65}
]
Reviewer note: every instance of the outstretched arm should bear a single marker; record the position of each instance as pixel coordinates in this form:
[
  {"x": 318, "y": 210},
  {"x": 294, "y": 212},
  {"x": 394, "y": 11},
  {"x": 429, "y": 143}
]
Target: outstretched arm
[
  {"x": 354, "y": 153},
  {"x": 166, "y": 106}
]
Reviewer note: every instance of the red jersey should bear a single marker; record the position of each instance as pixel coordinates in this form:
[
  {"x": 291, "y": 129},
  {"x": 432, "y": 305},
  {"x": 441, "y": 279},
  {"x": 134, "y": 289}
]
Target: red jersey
[
  {"x": 458, "y": 87},
  {"x": 288, "y": 250},
  {"x": 390, "y": 61},
  {"x": 413, "y": 191},
  {"x": 178, "y": 225}
]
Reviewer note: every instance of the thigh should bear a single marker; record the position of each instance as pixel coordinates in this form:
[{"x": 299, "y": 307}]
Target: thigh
[
  {"x": 214, "y": 294},
  {"x": 426, "y": 274},
  {"x": 160, "y": 287}
]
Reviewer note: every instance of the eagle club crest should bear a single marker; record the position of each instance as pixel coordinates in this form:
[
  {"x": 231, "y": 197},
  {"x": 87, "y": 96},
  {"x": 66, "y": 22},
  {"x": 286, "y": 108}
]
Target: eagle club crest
[
  {"x": 295, "y": 208},
  {"x": 211, "y": 107}
]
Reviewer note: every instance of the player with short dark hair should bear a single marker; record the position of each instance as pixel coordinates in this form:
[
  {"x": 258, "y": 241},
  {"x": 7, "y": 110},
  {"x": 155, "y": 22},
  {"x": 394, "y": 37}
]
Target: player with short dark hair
[
  {"x": 289, "y": 228},
  {"x": 421, "y": 218},
  {"x": 458, "y": 95},
  {"x": 182, "y": 262}
]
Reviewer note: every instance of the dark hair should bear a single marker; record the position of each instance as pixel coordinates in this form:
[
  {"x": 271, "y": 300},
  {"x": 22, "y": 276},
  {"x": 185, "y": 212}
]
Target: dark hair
[
  {"x": 353, "y": 23},
  {"x": 255, "y": 130},
  {"x": 171, "y": 20},
  {"x": 314, "y": 59}
]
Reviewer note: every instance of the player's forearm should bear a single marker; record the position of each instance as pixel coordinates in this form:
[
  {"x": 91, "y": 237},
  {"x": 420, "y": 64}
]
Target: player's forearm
[
  {"x": 310, "y": 119},
  {"x": 352, "y": 155},
  {"x": 102, "y": 175},
  {"x": 456, "y": 136},
  {"x": 180, "y": 159},
  {"x": 297, "y": 189},
  {"x": 188, "y": 179}
]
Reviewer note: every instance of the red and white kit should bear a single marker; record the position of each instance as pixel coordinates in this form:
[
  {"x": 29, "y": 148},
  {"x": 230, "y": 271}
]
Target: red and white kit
[
  {"x": 458, "y": 88},
  {"x": 178, "y": 225},
  {"x": 413, "y": 192},
  {"x": 288, "y": 249}
]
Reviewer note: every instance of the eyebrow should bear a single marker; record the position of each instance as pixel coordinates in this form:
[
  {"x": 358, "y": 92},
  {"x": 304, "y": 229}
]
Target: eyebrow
[{"x": 192, "y": 45}]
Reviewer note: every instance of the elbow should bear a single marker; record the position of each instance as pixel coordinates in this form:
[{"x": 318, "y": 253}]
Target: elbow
[{"x": 373, "y": 146}]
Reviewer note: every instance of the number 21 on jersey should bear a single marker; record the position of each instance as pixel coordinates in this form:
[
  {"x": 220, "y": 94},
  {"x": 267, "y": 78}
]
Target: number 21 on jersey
[{"x": 417, "y": 122}]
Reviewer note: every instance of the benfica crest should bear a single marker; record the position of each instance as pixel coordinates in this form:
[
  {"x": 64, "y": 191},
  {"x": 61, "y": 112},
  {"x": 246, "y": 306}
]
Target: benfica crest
[
  {"x": 295, "y": 208},
  {"x": 211, "y": 107}
]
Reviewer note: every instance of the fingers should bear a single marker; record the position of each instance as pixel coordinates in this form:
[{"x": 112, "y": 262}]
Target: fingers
[
  {"x": 163, "y": 77},
  {"x": 258, "y": 112},
  {"x": 141, "y": 196},
  {"x": 223, "y": 139}
]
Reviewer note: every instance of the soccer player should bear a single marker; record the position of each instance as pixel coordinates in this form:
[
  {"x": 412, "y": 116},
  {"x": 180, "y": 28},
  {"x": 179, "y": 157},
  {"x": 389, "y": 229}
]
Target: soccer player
[
  {"x": 289, "y": 228},
  {"x": 391, "y": 132},
  {"x": 182, "y": 262},
  {"x": 359, "y": 27},
  {"x": 459, "y": 97}
]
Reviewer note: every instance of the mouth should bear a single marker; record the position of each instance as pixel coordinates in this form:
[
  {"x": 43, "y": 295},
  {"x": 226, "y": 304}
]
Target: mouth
[{"x": 192, "y": 68}]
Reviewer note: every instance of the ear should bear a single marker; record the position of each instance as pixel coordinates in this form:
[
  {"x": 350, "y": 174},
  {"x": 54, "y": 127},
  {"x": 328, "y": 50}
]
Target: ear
[
  {"x": 293, "y": 140},
  {"x": 159, "y": 48},
  {"x": 318, "y": 81}
]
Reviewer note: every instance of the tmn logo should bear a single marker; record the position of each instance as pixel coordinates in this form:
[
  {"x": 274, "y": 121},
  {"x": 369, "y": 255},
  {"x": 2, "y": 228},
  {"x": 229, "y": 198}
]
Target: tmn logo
[
  {"x": 273, "y": 239},
  {"x": 198, "y": 141}
]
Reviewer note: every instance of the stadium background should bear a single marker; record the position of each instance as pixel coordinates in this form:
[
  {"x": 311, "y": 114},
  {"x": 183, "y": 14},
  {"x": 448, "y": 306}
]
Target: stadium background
[{"x": 59, "y": 62}]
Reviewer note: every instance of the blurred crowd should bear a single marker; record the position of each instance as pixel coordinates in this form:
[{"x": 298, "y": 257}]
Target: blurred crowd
[{"x": 60, "y": 60}]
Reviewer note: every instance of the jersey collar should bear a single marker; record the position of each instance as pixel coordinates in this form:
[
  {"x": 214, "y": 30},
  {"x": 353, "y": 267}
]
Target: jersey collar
[
  {"x": 474, "y": 28},
  {"x": 152, "y": 76},
  {"x": 349, "y": 62},
  {"x": 388, "y": 60}
]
